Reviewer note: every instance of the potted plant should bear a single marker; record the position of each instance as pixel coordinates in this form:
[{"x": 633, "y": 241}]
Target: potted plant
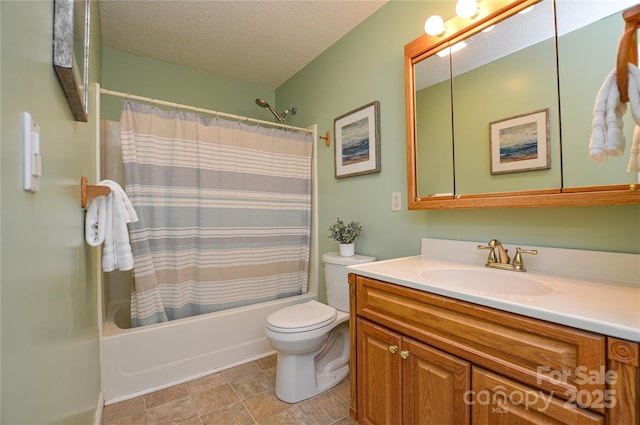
[{"x": 346, "y": 235}]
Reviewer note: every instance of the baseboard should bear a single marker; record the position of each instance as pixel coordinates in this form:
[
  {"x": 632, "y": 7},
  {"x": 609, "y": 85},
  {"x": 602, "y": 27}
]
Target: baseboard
[{"x": 99, "y": 409}]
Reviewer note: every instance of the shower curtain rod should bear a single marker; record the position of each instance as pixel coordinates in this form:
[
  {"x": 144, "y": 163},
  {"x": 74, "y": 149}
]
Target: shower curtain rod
[{"x": 196, "y": 109}]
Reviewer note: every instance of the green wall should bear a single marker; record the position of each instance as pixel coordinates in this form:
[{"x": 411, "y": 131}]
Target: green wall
[
  {"x": 50, "y": 356},
  {"x": 161, "y": 80}
]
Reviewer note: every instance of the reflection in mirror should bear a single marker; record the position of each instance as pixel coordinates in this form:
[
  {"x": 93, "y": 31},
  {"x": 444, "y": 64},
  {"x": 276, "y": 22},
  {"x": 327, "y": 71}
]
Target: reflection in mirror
[
  {"x": 434, "y": 128},
  {"x": 506, "y": 83},
  {"x": 587, "y": 45},
  {"x": 519, "y": 79}
]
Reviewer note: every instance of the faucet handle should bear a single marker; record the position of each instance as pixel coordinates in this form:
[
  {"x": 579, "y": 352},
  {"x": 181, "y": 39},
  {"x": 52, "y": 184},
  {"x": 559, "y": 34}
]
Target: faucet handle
[
  {"x": 492, "y": 253},
  {"x": 517, "y": 260}
]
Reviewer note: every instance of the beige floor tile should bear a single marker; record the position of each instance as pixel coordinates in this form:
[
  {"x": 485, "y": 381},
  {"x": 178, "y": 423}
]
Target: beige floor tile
[
  {"x": 122, "y": 409},
  {"x": 324, "y": 409},
  {"x": 291, "y": 416},
  {"x": 342, "y": 391},
  {"x": 268, "y": 362},
  {"x": 214, "y": 398},
  {"x": 251, "y": 385},
  {"x": 346, "y": 421},
  {"x": 166, "y": 395},
  {"x": 173, "y": 412},
  {"x": 234, "y": 373},
  {"x": 206, "y": 382},
  {"x": 135, "y": 419},
  {"x": 265, "y": 405},
  {"x": 232, "y": 414}
]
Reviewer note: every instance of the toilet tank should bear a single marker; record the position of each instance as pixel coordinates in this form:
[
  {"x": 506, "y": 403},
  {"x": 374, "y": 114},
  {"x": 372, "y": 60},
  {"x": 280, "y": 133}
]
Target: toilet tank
[{"x": 336, "y": 280}]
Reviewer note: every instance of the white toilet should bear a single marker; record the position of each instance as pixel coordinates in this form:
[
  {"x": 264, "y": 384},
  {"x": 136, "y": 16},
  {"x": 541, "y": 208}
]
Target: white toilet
[{"x": 312, "y": 339}]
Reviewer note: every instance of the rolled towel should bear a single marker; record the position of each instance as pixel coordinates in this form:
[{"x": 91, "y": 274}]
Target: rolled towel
[
  {"x": 615, "y": 140},
  {"x": 597, "y": 143}
]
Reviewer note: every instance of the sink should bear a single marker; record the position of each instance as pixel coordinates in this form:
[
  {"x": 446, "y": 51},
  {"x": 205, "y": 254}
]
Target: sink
[{"x": 486, "y": 281}]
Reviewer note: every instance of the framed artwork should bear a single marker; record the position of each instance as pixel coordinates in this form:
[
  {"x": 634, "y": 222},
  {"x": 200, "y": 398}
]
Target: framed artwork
[
  {"x": 71, "y": 52},
  {"x": 357, "y": 141},
  {"x": 520, "y": 143}
]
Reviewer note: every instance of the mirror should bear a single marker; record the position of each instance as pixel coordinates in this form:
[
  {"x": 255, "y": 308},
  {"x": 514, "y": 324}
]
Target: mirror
[{"x": 461, "y": 108}]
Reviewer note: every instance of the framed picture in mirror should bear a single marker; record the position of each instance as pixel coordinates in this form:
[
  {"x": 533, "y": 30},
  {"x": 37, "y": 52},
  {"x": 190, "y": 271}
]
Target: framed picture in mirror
[
  {"x": 357, "y": 141},
  {"x": 520, "y": 143},
  {"x": 71, "y": 52}
]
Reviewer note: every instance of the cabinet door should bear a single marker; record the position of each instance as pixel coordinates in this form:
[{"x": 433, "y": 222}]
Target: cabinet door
[
  {"x": 435, "y": 384},
  {"x": 379, "y": 375},
  {"x": 497, "y": 400}
]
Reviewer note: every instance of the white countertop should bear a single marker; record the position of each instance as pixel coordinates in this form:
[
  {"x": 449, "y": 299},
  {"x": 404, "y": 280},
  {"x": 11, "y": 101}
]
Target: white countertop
[{"x": 605, "y": 306}]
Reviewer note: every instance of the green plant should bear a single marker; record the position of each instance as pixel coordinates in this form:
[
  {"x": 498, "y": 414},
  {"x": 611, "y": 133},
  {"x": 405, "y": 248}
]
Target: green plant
[{"x": 344, "y": 233}]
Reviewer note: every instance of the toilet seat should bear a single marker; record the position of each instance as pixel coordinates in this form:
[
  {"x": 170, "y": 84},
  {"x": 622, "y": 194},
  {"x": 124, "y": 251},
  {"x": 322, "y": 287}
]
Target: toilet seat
[{"x": 301, "y": 317}]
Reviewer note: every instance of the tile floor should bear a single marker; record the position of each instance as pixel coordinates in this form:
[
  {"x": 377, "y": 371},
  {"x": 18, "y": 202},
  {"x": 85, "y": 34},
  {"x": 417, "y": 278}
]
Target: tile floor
[{"x": 242, "y": 395}]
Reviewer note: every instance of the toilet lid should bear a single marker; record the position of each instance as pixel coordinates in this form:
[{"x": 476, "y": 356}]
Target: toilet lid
[{"x": 301, "y": 317}]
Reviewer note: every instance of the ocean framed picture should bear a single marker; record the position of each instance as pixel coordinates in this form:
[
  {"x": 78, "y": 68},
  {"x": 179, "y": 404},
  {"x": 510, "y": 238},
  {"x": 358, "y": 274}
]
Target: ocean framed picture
[
  {"x": 520, "y": 143},
  {"x": 357, "y": 141}
]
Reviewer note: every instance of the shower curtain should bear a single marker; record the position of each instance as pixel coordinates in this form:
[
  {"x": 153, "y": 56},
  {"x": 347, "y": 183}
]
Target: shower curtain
[{"x": 224, "y": 212}]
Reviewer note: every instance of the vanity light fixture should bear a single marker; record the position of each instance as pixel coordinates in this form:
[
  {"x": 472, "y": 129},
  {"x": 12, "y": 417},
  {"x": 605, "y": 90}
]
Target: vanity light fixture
[
  {"x": 434, "y": 26},
  {"x": 466, "y": 8}
]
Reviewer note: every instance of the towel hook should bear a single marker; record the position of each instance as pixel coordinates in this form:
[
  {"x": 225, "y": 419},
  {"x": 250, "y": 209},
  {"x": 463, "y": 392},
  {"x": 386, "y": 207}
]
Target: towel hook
[
  {"x": 326, "y": 138},
  {"x": 627, "y": 50},
  {"x": 88, "y": 191}
]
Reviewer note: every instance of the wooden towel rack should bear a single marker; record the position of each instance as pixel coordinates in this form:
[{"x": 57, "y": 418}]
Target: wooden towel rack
[
  {"x": 627, "y": 50},
  {"x": 88, "y": 191}
]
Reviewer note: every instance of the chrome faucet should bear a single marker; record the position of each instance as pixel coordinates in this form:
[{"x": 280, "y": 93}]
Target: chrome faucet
[{"x": 500, "y": 260}]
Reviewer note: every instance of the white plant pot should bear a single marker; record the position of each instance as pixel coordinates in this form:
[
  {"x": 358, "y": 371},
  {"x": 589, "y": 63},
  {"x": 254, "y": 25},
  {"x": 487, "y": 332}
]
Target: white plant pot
[{"x": 347, "y": 249}]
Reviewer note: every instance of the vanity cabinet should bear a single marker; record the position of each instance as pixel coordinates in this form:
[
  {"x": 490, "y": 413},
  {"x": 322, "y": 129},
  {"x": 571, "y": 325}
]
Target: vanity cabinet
[
  {"x": 403, "y": 381},
  {"x": 421, "y": 358}
]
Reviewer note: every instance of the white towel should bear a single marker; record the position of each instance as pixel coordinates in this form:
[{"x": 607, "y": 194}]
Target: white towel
[
  {"x": 95, "y": 220},
  {"x": 107, "y": 219},
  {"x": 607, "y": 135},
  {"x": 597, "y": 143}
]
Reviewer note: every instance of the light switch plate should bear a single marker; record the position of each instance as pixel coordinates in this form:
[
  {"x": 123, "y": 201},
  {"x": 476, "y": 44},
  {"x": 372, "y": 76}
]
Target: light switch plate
[
  {"x": 32, "y": 158},
  {"x": 396, "y": 201}
]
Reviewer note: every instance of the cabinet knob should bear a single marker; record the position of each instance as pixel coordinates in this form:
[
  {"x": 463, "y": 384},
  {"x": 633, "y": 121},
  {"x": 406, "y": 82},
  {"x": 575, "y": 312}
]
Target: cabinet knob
[
  {"x": 404, "y": 354},
  {"x": 393, "y": 349}
]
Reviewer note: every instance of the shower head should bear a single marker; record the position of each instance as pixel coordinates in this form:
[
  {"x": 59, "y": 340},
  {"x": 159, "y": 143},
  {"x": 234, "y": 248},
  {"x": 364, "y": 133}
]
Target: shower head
[{"x": 264, "y": 104}]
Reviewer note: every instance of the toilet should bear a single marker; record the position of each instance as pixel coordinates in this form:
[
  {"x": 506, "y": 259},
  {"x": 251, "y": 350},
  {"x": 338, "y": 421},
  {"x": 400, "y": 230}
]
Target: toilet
[{"x": 312, "y": 338}]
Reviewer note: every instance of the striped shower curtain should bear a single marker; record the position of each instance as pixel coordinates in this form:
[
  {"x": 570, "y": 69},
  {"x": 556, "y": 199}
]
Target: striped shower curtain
[{"x": 224, "y": 212}]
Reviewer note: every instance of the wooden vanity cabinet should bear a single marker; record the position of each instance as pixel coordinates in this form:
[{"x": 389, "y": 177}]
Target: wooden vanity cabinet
[
  {"x": 403, "y": 381},
  {"x": 421, "y": 358}
]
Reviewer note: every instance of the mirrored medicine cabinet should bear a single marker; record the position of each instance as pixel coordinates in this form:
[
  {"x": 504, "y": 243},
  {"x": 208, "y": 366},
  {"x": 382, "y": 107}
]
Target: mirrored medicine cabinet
[{"x": 527, "y": 67}]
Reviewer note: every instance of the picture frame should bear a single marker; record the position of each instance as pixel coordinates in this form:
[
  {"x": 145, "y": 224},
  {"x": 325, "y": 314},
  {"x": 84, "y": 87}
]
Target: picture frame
[
  {"x": 71, "y": 52},
  {"x": 357, "y": 141},
  {"x": 520, "y": 143}
]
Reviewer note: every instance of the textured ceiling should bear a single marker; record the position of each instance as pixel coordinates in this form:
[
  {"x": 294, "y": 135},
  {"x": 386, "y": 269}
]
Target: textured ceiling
[{"x": 260, "y": 42}]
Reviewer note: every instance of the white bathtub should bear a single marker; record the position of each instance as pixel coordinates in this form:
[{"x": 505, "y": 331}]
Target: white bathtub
[{"x": 141, "y": 360}]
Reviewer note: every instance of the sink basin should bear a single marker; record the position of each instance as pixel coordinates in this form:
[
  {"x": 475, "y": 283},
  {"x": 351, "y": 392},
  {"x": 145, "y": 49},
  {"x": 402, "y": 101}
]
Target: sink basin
[{"x": 487, "y": 281}]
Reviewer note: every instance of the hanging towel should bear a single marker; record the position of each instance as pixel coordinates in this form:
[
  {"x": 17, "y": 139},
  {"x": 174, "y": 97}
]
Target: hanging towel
[
  {"x": 607, "y": 137},
  {"x": 106, "y": 222}
]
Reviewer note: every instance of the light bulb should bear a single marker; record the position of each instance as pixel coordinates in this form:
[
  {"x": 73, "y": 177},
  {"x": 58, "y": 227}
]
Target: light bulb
[
  {"x": 434, "y": 25},
  {"x": 466, "y": 8}
]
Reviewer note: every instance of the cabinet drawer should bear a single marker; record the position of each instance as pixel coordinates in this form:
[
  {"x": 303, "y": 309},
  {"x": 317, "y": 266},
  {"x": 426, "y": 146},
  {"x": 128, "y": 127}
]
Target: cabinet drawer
[
  {"x": 498, "y": 400},
  {"x": 550, "y": 357}
]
